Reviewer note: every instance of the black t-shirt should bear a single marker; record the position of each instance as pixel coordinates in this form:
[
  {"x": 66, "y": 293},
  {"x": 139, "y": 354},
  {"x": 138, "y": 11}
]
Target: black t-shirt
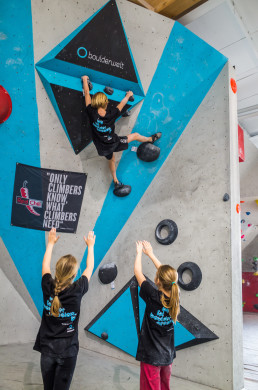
[
  {"x": 58, "y": 336},
  {"x": 103, "y": 129},
  {"x": 156, "y": 342}
]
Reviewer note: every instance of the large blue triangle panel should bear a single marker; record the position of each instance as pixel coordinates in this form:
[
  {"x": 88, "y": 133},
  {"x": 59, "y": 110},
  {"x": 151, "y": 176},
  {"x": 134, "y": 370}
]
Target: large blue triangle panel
[
  {"x": 185, "y": 73},
  {"x": 119, "y": 323}
]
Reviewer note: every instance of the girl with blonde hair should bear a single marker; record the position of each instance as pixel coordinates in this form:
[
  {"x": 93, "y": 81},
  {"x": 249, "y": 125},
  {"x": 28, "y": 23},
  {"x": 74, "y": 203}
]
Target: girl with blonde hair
[
  {"x": 57, "y": 339},
  {"x": 102, "y": 119},
  {"x": 156, "y": 349}
]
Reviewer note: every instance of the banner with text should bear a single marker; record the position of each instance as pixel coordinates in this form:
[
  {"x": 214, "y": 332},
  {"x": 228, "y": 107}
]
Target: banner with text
[{"x": 46, "y": 198}]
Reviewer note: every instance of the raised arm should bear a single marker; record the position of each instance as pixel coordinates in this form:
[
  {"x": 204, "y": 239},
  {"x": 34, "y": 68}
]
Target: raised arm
[
  {"x": 147, "y": 249},
  {"x": 86, "y": 90},
  {"x": 52, "y": 240},
  {"x": 90, "y": 241},
  {"x": 138, "y": 264},
  {"x": 123, "y": 102}
]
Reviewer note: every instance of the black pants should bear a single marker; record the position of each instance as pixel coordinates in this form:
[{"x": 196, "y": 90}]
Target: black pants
[{"x": 57, "y": 373}]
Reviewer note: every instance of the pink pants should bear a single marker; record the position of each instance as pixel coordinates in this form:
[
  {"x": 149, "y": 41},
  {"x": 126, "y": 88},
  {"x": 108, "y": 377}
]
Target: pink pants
[{"x": 155, "y": 377}]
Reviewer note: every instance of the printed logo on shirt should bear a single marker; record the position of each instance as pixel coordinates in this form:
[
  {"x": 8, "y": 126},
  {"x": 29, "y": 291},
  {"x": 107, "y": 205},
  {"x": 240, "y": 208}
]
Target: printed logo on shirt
[
  {"x": 62, "y": 313},
  {"x": 100, "y": 128},
  {"x": 161, "y": 318}
]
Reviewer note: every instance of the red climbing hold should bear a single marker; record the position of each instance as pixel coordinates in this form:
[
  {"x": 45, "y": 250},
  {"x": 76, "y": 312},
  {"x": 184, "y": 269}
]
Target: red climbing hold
[
  {"x": 5, "y": 105},
  {"x": 238, "y": 208},
  {"x": 233, "y": 85}
]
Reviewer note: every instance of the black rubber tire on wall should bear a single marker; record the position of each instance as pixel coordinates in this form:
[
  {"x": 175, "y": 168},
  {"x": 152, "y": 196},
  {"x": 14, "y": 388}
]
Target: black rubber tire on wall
[
  {"x": 172, "y": 232},
  {"x": 196, "y": 278}
]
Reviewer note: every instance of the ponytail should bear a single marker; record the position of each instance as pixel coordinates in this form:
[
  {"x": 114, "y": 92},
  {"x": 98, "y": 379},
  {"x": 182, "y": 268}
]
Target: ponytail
[
  {"x": 56, "y": 304},
  {"x": 66, "y": 269},
  {"x": 167, "y": 279}
]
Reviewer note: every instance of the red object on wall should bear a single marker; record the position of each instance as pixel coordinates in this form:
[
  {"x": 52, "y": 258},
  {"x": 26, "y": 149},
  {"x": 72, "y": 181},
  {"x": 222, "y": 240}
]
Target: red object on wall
[
  {"x": 233, "y": 85},
  {"x": 241, "y": 144},
  {"x": 250, "y": 290},
  {"x": 5, "y": 105}
]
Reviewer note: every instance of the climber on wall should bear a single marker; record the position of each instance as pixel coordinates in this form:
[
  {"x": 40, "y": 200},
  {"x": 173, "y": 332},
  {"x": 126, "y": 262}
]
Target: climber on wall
[{"x": 102, "y": 118}]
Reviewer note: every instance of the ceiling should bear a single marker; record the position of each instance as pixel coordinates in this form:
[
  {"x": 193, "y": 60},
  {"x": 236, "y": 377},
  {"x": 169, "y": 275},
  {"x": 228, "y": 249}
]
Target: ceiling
[{"x": 230, "y": 26}]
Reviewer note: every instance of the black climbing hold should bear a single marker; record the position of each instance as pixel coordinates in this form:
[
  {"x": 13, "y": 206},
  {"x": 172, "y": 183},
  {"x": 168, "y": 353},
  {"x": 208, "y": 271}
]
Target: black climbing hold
[
  {"x": 171, "y": 227},
  {"x": 196, "y": 276},
  {"x": 107, "y": 273},
  {"x": 226, "y": 197},
  {"x": 90, "y": 85},
  {"x": 108, "y": 90},
  {"x": 126, "y": 113},
  {"x": 131, "y": 99},
  {"x": 104, "y": 336},
  {"x": 122, "y": 191},
  {"x": 148, "y": 152},
  {"x": 256, "y": 306}
]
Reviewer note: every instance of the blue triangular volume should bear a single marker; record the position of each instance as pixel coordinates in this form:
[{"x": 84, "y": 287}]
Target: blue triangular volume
[
  {"x": 121, "y": 319},
  {"x": 100, "y": 49},
  {"x": 117, "y": 321}
]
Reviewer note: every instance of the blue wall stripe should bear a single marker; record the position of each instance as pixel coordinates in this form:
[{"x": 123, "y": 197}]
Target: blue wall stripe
[
  {"x": 19, "y": 137},
  {"x": 186, "y": 71}
]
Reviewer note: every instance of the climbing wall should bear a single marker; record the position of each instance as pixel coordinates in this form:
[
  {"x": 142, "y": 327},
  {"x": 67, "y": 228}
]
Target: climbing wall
[{"x": 182, "y": 88}]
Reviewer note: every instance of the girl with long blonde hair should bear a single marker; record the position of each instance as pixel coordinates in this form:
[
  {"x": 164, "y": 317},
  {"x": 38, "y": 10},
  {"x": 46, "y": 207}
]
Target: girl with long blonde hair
[
  {"x": 156, "y": 350},
  {"x": 57, "y": 339}
]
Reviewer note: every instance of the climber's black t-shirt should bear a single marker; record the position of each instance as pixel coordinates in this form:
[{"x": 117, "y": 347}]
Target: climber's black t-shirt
[
  {"x": 103, "y": 129},
  {"x": 156, "y": 342},
  {"x": 58, "y": 336}
]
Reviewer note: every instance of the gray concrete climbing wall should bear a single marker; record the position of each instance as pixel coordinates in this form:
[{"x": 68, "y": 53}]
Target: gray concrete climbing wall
[{"x": 188, "y": 188}]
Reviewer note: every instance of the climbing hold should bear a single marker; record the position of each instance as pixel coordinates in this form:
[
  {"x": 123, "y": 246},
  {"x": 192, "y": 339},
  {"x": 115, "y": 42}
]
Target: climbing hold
[
  {"x": 238, "y": 208},
  {"x": 108, "y": 90},
  {"x": 256, "y": 295},
  {"x": 249, "y": 225},
  {"x": 243, "y": 281},
  {"x": 126, "y": 113},
  {"x": 242, "y": 201},
  {"x": 148, "y": 152},
  {"x": 171, "y": 228},
  {"x": 256, "y": 202},
  {"x": 5, "y": 105},
  {"x": 90, "y": 85},
  {"x": 107, "y": 273},
  {"x": 243, "y": 236},
  {"x": 255, "y": 273},
  {"x": 256, "y": 306},
  {"x": 104, "y": 336},
  {"x": 196, "y": 276},
  {"x": 242, "y": 221},
  {"x": 226, "y": 197},
  {"x": 248, "y": 213},
  {"x": 233, "y": 85},
  {"x": 131, "y": 99},
  {"x": 122, "y": 191}
]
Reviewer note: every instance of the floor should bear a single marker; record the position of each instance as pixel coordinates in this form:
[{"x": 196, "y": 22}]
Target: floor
[
  {"x": 251, "y": 351},
  {"x": 20, "y": 369}
]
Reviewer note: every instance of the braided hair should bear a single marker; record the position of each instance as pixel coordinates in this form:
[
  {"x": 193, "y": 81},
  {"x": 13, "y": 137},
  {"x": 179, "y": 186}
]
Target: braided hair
[
  {"x": 167, "y": 277},
  {"x": 66, "y": 269}
]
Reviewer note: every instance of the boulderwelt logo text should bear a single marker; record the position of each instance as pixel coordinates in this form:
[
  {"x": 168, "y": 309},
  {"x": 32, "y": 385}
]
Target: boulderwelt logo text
[{"x": 105, "y": 60}]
